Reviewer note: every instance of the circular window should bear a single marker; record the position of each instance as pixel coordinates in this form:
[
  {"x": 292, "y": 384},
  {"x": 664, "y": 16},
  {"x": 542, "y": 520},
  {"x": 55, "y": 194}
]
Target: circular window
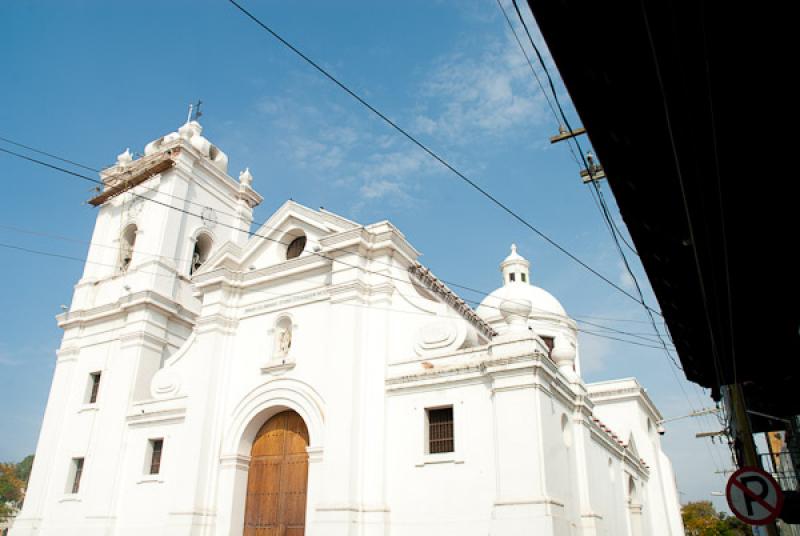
[{"x": 296, "y": 247}]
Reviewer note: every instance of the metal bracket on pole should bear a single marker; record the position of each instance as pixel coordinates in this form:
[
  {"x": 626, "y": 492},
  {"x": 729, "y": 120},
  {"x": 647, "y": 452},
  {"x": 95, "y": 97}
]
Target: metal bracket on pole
[{"x": 564, "y": 134}]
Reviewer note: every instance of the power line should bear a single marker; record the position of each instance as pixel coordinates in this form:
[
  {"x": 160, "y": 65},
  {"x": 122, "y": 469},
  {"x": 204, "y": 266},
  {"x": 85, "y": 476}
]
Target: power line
[
  {"x": 621, "y": 332},
  {"x": 636, "y": 321},
  {"x": 78, "y": 175},
  {"x": 260, "y": 225},
  {"x": 605, "y": 212},
  {"x": 83, "y": 177},
  {"x": 679, "y": 173},
  {"x": 530, "y": 64},
  {"x": 139, "y": 252},
  {"x": 12, "y": 142},
  {"x": 290, "y": 294},
  {"x": 435, "y": 156},
  {"x": 641, "y": 300}
]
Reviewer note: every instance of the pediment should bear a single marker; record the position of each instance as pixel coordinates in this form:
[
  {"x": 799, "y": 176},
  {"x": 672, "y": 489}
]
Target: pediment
[{"x": 268, "y": 245}]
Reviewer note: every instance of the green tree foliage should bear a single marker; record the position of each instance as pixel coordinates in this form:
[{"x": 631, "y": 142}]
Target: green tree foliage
[
  {"x": 13, "y": 480},
  {"x": 10, "y": 489},
  {"x": 24, "y": 468},
  {"x": 701, "y": 519}
]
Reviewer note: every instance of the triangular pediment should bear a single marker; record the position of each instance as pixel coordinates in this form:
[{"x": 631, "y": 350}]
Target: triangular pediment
[{"x": 268, "y": 244}]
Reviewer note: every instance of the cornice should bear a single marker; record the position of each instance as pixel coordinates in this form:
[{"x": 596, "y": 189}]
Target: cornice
[
  {"x": 632, "y": 391},
  {"x": 426, "y": 278},
  {"x": 141, "y": 299}
]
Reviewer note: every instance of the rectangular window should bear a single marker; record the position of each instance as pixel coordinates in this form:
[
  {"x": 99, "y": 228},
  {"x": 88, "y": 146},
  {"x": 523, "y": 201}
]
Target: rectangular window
[
  {"x": 440, "y": 430},
  {"x": 75, "y": 472},
  {"x": 511, "y": 276},
  {"x": 94, "y": 386},
  {"x": 523, "y": 277},
  {"x": 156, "y": 447}
]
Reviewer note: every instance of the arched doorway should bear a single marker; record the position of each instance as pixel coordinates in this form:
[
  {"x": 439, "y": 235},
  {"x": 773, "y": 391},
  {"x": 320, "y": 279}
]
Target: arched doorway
[{"x": 277, "y": 479}]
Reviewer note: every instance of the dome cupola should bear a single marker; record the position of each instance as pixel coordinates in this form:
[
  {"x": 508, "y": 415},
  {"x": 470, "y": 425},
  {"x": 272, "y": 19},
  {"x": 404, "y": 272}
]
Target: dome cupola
[
  {"x": 519, "y": 305},
  {"x": 515, "y": 267},
  {"x": 517, "y": 287}
]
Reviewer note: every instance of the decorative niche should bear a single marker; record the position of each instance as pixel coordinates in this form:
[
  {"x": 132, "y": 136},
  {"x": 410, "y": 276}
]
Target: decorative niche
[{"x": 281, "y": 337}]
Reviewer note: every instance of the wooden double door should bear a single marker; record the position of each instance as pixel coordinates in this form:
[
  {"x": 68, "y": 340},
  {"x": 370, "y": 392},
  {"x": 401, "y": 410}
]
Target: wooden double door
[{"x": 278, "y": 478}]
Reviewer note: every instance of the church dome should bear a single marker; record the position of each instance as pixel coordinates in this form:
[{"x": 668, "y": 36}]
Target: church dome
[{"x": 518, "y": 289}]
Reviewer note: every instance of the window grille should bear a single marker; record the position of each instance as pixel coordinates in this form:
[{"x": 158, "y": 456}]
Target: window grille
[
  {"x": 95, "y": 378},
  {"x": 77, "y": 466},
  {"x": 440, "y": 430},
  {"x": 296, "y": 247},
  {"x": 156, "y": 446}
]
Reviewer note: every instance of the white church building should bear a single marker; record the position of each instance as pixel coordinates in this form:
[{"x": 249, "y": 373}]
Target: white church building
[{"x": 312, "y": 377}]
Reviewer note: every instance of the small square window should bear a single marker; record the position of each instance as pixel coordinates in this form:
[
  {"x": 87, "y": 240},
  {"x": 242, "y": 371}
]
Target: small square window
[
  {"x": 512, "y": 276},
  {"x": 549, "y": 342},
  {"x": 94, "y": 387},
  {"x": 156, "y": 447},
  {"x": 75, "y": 473},
  {"x": 440, "y": 430}
]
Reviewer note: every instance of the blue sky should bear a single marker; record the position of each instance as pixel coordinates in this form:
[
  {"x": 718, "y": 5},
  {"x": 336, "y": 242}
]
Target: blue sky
[{"x": 87, "y": 79}]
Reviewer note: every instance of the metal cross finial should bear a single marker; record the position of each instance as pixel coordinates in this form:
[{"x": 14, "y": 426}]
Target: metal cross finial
[{"x": 194, "y": 111}]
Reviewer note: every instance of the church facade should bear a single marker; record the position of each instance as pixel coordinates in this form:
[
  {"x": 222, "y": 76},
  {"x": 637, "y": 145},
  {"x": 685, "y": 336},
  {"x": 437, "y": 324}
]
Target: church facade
[{"x": 312, "y": 377}]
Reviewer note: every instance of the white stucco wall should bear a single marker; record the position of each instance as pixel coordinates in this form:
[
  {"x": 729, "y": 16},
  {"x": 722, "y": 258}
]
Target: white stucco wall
[{"x": 194, "y": 361}]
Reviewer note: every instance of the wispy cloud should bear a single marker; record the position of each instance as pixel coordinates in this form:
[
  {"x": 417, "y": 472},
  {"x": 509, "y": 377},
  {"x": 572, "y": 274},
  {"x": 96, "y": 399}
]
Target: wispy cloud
[
  {"x": 15, "y": 356},
  {"x": 490, "y": 94},
  {"x": 346, "y": 151},
  {"x": 624, "y": 277},
  {"x": 483, "y": 96}
]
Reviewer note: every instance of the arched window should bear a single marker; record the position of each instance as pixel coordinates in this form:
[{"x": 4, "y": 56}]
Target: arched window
[
  {"x": 201, "y": 251},
  {"x": 296, "y": 247},
  {"x": 127, "y": 243}
]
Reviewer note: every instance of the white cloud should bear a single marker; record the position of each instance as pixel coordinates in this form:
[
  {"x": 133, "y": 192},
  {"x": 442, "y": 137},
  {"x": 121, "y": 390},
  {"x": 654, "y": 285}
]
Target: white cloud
[
  {"x": 625, "y": 279},
  {"x": 480, "y": 95},
  {"x": 381, "y": 188}
]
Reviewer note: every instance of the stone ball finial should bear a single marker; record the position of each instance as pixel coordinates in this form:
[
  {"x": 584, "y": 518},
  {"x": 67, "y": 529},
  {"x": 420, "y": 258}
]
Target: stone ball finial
[
  {"x": 563, "y": 355},
  {"x": 246, "y": 178},
  {"x": 190, "y": 130},
  {"x": 125, "y": 158},
  {"x": 515, "y": 312}
]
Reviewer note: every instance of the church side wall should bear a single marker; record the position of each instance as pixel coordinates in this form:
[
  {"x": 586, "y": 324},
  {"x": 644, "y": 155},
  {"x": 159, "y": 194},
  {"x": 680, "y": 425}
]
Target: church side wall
[
  {"x": 607, "y": 489},
  {"x": 453, "y": 493},
  {"x": 557, "y": 443},
  {"x": 628, "y": 418}
]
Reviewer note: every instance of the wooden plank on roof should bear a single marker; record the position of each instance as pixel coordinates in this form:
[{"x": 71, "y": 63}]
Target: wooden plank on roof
[{"x": 139, "y": 172}]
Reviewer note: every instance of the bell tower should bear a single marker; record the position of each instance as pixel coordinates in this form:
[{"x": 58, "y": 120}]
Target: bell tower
[{"x": 160, "y": 217}]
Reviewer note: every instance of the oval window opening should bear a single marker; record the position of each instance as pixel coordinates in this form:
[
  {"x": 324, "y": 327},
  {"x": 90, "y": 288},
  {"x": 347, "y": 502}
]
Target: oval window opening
[{"x": 296, "y": 247}]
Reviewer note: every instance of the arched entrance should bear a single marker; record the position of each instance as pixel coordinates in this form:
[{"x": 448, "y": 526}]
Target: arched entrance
[{"x": 277, "y": 479}]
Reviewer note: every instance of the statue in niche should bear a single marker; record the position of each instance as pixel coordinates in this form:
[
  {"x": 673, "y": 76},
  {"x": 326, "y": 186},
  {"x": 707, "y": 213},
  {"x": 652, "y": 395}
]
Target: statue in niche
[
  {"x": 127, "y": 255},
  {"x": 283, "y": 341},
  {"x": 196, "y": 262}
]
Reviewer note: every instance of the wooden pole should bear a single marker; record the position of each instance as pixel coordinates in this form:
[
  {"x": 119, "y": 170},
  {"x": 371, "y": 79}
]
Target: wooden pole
[{"x": 745, "y": 436}]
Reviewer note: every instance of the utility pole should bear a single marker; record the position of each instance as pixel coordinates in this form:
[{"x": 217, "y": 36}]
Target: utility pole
[
  {"x": 744, "y": 434},
  {"x": 594, "y": 171}
]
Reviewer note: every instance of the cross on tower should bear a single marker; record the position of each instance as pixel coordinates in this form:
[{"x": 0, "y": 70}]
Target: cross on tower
[{"x": 194, "y": 111}]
